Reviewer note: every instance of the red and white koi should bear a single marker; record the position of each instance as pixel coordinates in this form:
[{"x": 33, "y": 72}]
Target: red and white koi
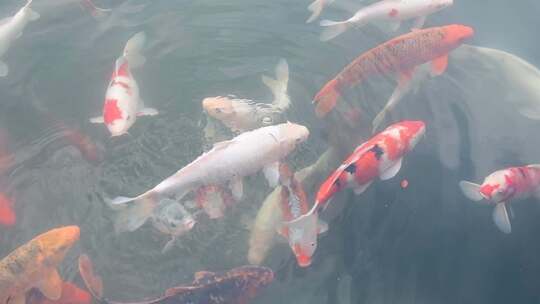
[
  {"x": 393, "y": 11},
  {"x": 11, "y": 29},
  {"x": 503, "y": 186},
  {"x": 226, "y": 163},
  {"x": 214, "y": 200},
  {"x": 123, "y": 103},
  {"x": 316, "y": 9},
  {"x": 400, "y": 55},
  {"x": 293, "y": 204},
  {"x": 379, "y": 157}
]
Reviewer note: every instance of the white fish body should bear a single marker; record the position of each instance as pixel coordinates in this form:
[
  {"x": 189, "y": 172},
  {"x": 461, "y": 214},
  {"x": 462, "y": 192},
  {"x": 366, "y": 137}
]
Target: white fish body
[
  {"x": 393, "y": 11},
  {"x": 244, "y": 155},
  {"x": 11, "y": 28}
]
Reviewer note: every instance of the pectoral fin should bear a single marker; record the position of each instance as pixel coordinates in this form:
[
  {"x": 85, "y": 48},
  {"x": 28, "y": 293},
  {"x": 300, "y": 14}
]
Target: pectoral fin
[
  {"x": 361, "y": 188},
  {"x": 471, "y": 190},
  {"x": 51, "y": 286},
  {"x": 322, "y": 226},
  {"x": 419, "y": 23},
  {"x": 4, "y": 70},
  {"x": 97, "y": 120},
  {"x": 501, "y": 218},
  {"x": 392, "y": 171},
  {"x": 439, "y": 65},
  {"x": 271, "y": 172},
  {"x": 237, "y": 188},
  {"x": 170, "y": 244},
  {"x": 147, "y": 112}
]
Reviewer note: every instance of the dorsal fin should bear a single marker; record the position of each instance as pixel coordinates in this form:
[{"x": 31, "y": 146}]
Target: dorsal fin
[
  {"x": 203, "y": 277},
  {"x": 222, "y": 144}
]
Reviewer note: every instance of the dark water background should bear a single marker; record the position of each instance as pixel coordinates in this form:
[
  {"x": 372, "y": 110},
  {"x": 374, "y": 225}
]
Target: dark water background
[{"x": 425, "y": 244}]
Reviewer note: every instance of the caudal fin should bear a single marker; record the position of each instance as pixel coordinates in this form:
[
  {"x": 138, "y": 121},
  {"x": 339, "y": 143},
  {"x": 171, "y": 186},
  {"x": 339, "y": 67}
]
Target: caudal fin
[
  {"x": 133, "y": 49},
  {"x": 333, "y": 29},
  {"x": 93, "y": 283},
  {"x": 132, "y": 213},
  {"x": 327, "y": 98},
  {"x": 316, "y": 9},
  {"x": 279, "y": 85}
]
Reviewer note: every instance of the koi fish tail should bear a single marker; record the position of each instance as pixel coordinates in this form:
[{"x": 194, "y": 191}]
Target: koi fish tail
[
  {"x": 279, "y": 85},
  {"x": 316, "y": 8},
  {"x": 327, "y": 98},
  {"x": 133, "y": 212},
  {"x": 133, "y": 48},
  {"x": 93, "y": 282},
  {"x": 333, "y": 29}
]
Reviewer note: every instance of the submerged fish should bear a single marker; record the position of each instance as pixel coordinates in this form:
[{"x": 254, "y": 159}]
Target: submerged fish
[
  {"x": 95, "y": 11},
  {"x": 379, "y": 157},
  {"x": 171, "y": 218},
  {"x": 241, "y": 115},
  {"x": 228, "y": 162},
  {"x": 12, "y": 28},
  {"x": 236, "y": 286},
  {"x": 503, "y": 186},
  {"x": 123, "y": 103},
  {"x": 214, "y": 200},
  {"x": 7, "y": 212},
  {"x": 71, "y": 294},
  {"x": 316, "y": 9},
  {"x": 400, "y": 55},
  {"x": 293, "y": 204},
  {"x": 393, "y": 11},
  {"x": 33, "y": 265}
]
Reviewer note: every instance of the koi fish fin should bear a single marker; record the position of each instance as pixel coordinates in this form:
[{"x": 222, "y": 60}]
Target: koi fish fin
[
  {"x": 133, "y": 48},
  {"x": 471, "y": 191},
  {"x": 170, "y": 244},
  {"x": 501, "y": 219},
  {"x": 439, "y": 65},
  {"x": 511, "y": 211},
  {"x": 222, "y": 144},
  {"x": 134, "y": 215},
  {"x": 359, "y": 189},
  {"x": 93, "y": 282},
  {"x": 19, "y": 299},
  {"x": 322, "y": 227},
  {"x": 147, "y": 112},
  {"x": 418, "y": 23},
  {"x": 316, "y": 8},
  {"x": 4, "y": 69},
  {"x": 332, "y": 29},
  {"x": 279, "y": 85},
  {"x": 529, "y": 112},
  {"x": 237, "y": 188},
  {"x": 392, "y": 171},
  {"x": 33, "y": 14},
  {"x": 51, "y": 285},
  {"x": 271, "y": 172},
  {"x": 401, "y": 89},
  {"x": 327, "y": 98},
  {"x": 97, "y": 120},
  {"x": 394, "y": 25},
  {"x": 534, "y": 166},
  {"x": 179, "y": 290}
]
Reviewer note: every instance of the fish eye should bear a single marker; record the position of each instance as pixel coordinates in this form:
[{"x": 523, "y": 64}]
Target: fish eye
[{"x": 312, "y": 244}]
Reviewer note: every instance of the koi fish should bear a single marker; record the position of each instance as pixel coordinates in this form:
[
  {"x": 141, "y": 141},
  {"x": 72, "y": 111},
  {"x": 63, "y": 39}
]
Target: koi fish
[
  {"x": 238, "y": 285},
  {"x": 393, "y": 11},
  {"x": 316, "y": 9},
  {"x": 33, "y": 265},
  {"x": 11, "y": 29},
  {"x": 71, "y": 294},
  {"x": 171, "y": 218},
  {"x": 503, "y": 186},
  {"x": 226, "y": 163},
  {"x": 293, "y": 204},
  {"x": 241, "y": 115},
  {"x": 95, "y": 11},
  {"x": 400, "y": 55},
  {"x": 379, "y": 157},
  {"x": 7, "y": 213},
  {"x": 122, "y": 101},
  {"x": 214, "y": 200}
]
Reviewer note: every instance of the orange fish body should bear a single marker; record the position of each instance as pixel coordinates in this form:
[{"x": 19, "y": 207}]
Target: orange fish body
[
  {"x": 399, "y": 55},
  {"x": 71, "y": 294},
  {"x": 7, "y": 213},
  {"x": 33, "y": 265}
]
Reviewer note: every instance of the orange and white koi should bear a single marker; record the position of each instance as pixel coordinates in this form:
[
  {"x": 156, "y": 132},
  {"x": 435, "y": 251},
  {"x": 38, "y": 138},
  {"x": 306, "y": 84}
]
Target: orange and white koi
[
  {"x": 503, "y": 186},
  {"x": 393, "y": 11},
  {"x": 33, "y": 265},
  {"x": 12, "y": 29},
  {"x": 123, "y": 103},
  {"x": 379, "y": 157},
  {"x": 293, "y": 204},
  {"x": 400, "y": 55}
]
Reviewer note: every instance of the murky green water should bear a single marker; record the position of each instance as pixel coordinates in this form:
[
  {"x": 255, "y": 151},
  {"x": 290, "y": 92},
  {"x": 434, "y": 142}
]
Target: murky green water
[{"x": 423, "y": 244}]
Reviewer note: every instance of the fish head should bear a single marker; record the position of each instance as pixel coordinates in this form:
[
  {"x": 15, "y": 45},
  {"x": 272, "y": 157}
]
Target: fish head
[
  {"x": 174, "y": 216},
  {"x": 291, "y": 135},
  {"x": 303, "y": 241},
  {"x": 414, "y": 130},
  {"x": 220, "y": 108},
  {"x": 498, "y": 186},
  {"x": 116, "y": 119},
  {"x": 56, "y": 242},
  {"x": 456, "y": 34}
]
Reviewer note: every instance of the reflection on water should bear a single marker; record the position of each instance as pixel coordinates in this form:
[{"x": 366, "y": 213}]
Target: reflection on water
[{"x": 418, "y": 244}]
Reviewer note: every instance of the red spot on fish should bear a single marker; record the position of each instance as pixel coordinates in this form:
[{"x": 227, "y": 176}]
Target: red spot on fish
[
  {"x": 7, "y": 214},
  {"x": 393, "y": 13},
  {"x": 111, "y": 111},
  {"x": 487, "y": 190},
  {"x": 123, "y": 70},
  {"x": 404, "y": 184}
]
